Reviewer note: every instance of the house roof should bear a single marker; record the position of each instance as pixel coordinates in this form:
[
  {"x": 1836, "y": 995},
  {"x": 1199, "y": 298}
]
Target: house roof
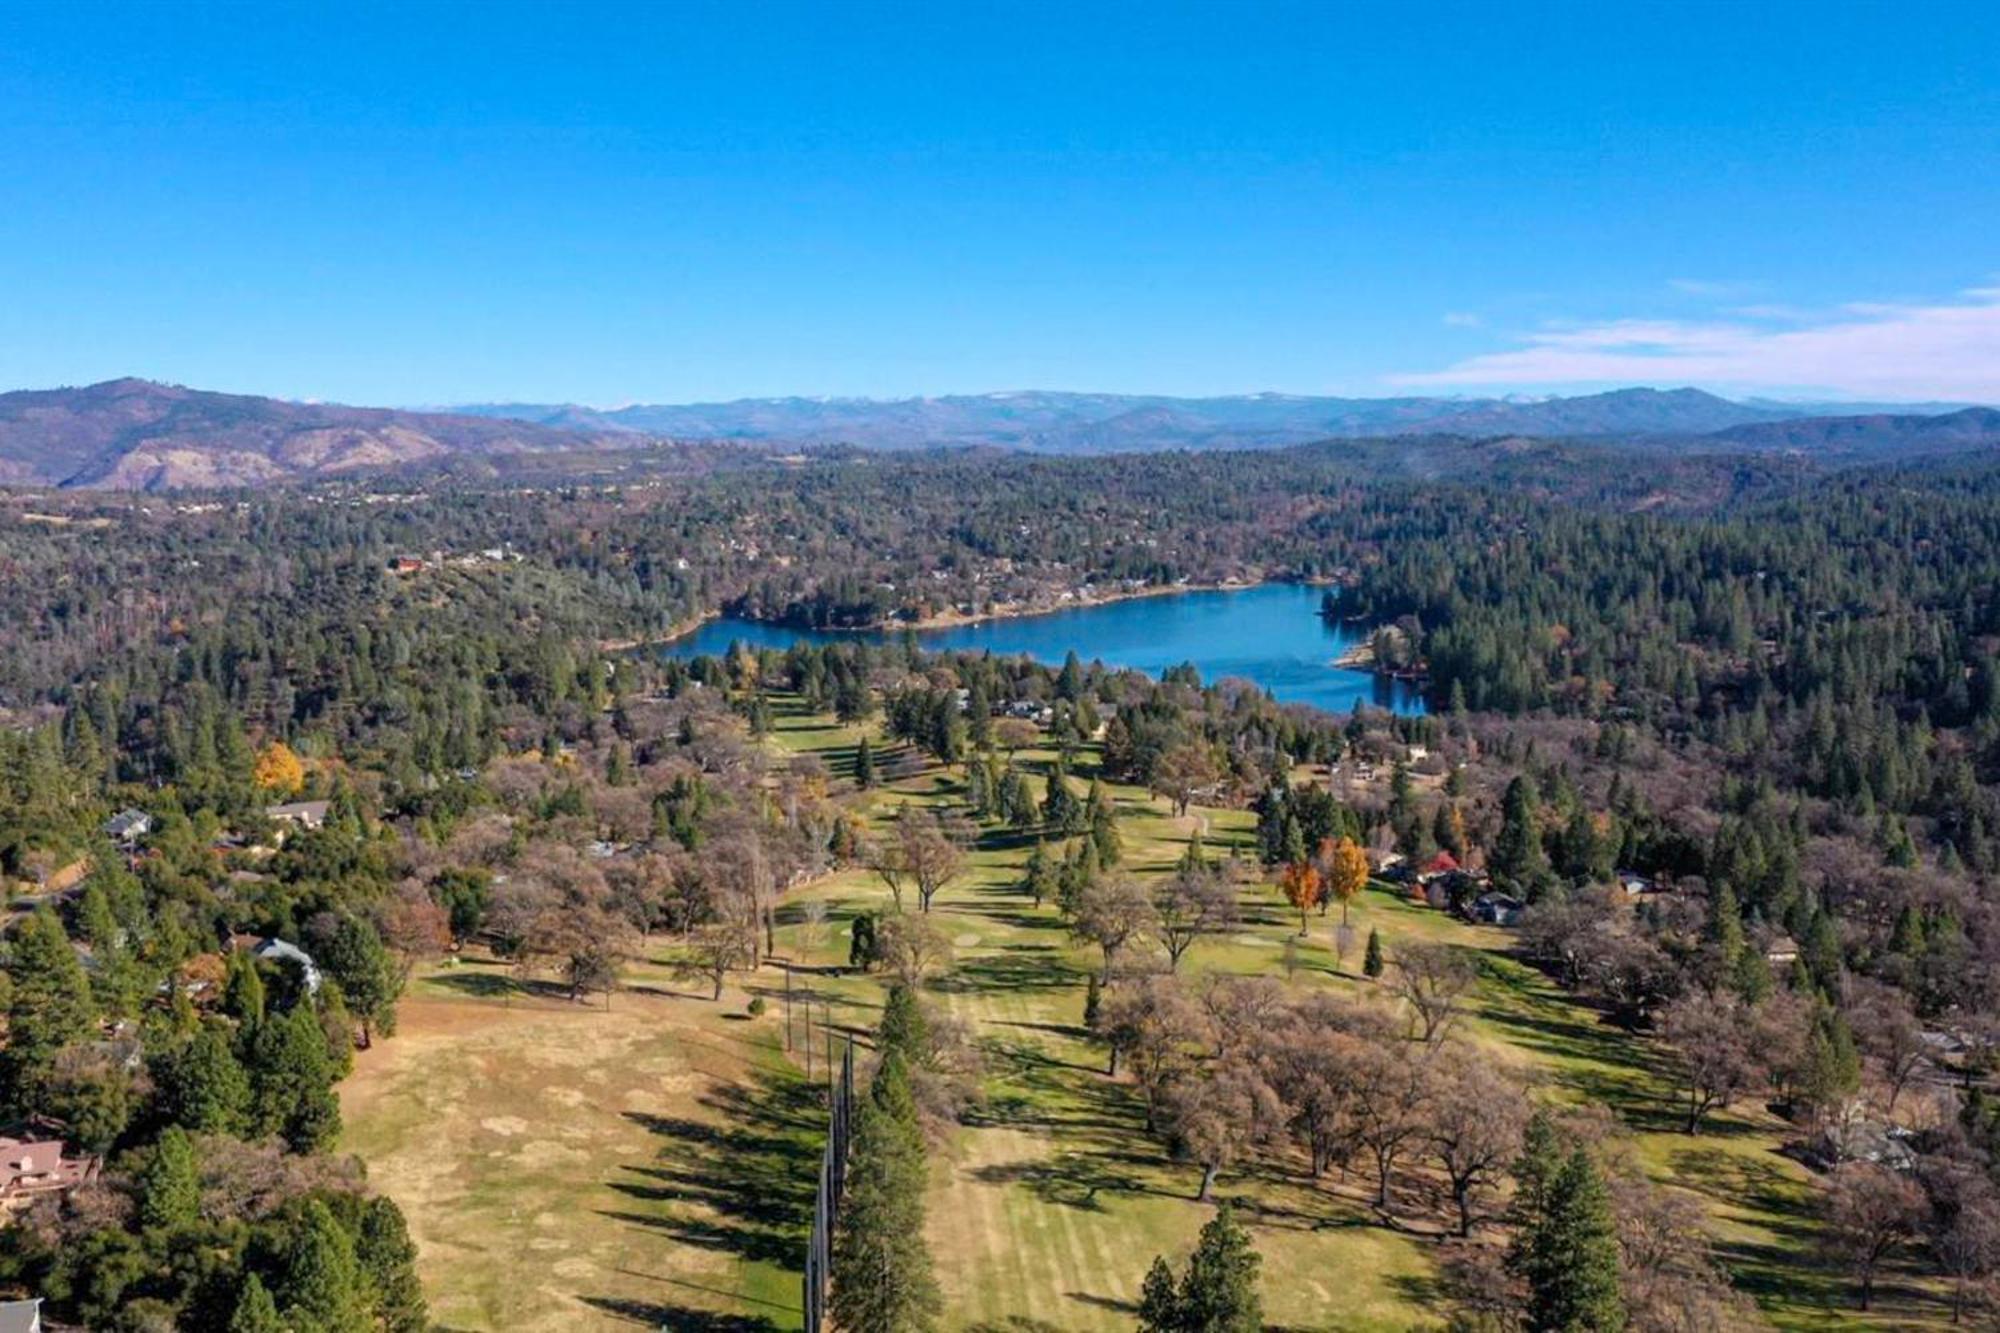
[
  {"x": 21, "y": 1316},
  {"x": 1440, "y": 863},
  {"x": 38, "y": 1164}
]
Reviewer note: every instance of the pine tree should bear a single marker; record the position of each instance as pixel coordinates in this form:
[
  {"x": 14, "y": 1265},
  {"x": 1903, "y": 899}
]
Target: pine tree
[
  {"x": 243, "y": 990},
  {"x": 1571, "y": 1255},
  {"x": 1371, "y": 958},
  {"x": 205, "y": 1087},
  {"x": 370, "y": 982},
  {"x": 1159, "y": 1300},
  {"x": 321, "y": 1286},
  {"x": 1219, "y": 1292},
  {"x": 388, "y": 1258},
  {"x": 50, "y": 1006},
  {"x": 882, "y": 1278},
  {"x": 170, "y": 1186},
  {"x": 1724, "y": 929},
  {"x": 864, "y": 765},
  {"x": 903, "y": 1029},
  {"x": 1518, "y": 858},
  {"x": 256, "y": 1312},
  {"x": 291, "y": 1081},
  {"x": 1102, "y": 821}
]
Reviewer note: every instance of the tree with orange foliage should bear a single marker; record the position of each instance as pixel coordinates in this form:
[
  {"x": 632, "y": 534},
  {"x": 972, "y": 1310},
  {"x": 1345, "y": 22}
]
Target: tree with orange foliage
[
  {"x": 1301, "y": 884},
  {"x": 278, "y": 770},
  {"x": 1343, "y": 870}
]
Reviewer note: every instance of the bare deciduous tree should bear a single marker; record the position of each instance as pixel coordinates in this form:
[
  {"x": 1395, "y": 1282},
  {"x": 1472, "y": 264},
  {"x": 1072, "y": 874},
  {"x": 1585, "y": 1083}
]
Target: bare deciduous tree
[
  {"x": 1869, "y": 1213},
  {"x": 1219, "y": 1114},
  {"x": 1111, "y": 912},
  {"x": 1192, "y": 902},
  {"x": 1433, "y": 979},
  {"x": 1476, "y": 1119},
  {"x": 1709, "y": 1035},
  {"x": 913, "y": 947}
]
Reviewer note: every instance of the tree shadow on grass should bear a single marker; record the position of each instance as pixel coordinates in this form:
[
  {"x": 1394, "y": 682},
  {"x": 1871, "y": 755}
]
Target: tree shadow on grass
[
  {"x": 742, "y": 1184},
  {"x": 492, "y": 984},
  {"x": 680, "y": 1318},
  {"x": 1021, "y": 969},
  {"x": 1111, "y": 1303}
]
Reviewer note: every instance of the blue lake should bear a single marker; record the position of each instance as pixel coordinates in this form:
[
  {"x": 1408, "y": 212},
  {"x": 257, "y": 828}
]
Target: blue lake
[{"x": 1271, "y": 634}]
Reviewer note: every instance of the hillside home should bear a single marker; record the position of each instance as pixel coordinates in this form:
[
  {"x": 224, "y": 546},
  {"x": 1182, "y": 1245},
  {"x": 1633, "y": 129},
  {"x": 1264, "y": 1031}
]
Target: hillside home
[
  {"x": 299, "y": 814},
  {"x": 281, "y": 952},
  {"x": 33, "y": 1168},
  {"x": 128, "y": 826}
]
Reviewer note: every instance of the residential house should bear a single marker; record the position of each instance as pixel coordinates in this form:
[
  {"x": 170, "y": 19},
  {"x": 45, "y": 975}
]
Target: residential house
[
  {"x": 33, "y": 1168},
  {"x": 300, "y": 814},
  {"x": 1444, "y": 863},
  {"x": 128, "y": 826},
  {"x": 1635, "y": 883},
  {"x": 21, "y": 1316},
  {"x": 273, "y": 950},
  {"x": 1781, "y": 949},
  {"x": 1498, "y": 909}
]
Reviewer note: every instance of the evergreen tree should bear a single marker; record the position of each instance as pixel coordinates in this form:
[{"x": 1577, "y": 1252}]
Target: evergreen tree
[
  {"x": 1518, "y": 858},
  {"x": 882, "y": 1278},
  {"x": 1571, "y": 1255},
  {"x": 49, "y": 1007},
  {"x": 170, "y": 1186},
  {"x": 256, "y": 1312},
  {"x": 1723, "y": 931},
  {"x": 1102, "y": 820},
  {"x": 864, "y": 765},
  {"x": 388, "y": 1258},
  {"x": 1371, "y": 958},
  {"x": 321, "y": 1286},
  {"x": 352, "y": 954},
  {"x": 291, "y": 1079},
  {"x": 1159, "y": 1300},
  {"x": 1219, "y": 1292},
  {"x": 203, "y": 1087},
  {"x": 243, "y": 996},
  {"x": 903, "y": 1030}
]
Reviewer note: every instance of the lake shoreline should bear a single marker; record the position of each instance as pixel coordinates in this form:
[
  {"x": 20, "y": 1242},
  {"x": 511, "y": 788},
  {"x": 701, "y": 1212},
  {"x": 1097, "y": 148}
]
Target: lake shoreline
[
  {"x": 1268, "y": 633},
  {"x": 959, "y": 620}
]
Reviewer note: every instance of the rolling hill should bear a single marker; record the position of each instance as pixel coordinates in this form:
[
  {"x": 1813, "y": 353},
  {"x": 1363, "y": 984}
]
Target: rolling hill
[{"x": 132, "y": 434}]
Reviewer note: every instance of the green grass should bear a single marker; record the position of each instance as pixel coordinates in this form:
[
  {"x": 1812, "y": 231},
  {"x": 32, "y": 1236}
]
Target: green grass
[{"x": 1047, "y": 1206}]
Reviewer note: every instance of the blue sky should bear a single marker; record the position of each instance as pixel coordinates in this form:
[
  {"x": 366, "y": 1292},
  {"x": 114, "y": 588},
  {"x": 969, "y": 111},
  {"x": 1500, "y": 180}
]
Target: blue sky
[{"x": 425, "y": 204}]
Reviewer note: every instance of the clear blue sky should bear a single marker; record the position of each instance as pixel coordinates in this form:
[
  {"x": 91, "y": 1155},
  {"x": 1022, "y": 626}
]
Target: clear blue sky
[{"x": 425, "y": 204}]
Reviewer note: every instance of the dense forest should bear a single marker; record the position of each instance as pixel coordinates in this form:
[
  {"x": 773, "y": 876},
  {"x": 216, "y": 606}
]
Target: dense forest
[{"x": 1767, "y": 692}]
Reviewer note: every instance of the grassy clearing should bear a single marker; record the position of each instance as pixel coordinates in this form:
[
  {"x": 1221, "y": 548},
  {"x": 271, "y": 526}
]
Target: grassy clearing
[{"x": 652, "y": 1165}]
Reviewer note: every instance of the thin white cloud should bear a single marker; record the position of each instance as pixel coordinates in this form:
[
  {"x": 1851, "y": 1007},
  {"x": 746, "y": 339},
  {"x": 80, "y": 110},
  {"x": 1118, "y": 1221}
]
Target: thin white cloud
[
  {"x": 1947, "y": 350},
  {"x": 1462, "y": 319}
]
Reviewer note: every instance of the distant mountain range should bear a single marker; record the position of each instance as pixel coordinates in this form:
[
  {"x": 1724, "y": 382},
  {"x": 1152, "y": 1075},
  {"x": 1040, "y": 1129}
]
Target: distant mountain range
[
  {"x": 1087, "y": 423},
  {"x": 134, "y": 434},
  {"x": 138, "y": 435}
]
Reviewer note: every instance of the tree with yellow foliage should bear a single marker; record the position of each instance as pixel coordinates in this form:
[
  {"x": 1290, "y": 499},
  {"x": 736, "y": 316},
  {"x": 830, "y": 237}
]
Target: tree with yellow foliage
[
  {"x": 278, "y": 770},
  {"x": 1343, "y": 869},
  {"x": 1301, "y": 884}
]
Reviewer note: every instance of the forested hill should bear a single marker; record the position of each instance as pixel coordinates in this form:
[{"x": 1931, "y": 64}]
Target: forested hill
[
  {"x": 1090, "y": 423},
  {"x": 133, "y": 434}
]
